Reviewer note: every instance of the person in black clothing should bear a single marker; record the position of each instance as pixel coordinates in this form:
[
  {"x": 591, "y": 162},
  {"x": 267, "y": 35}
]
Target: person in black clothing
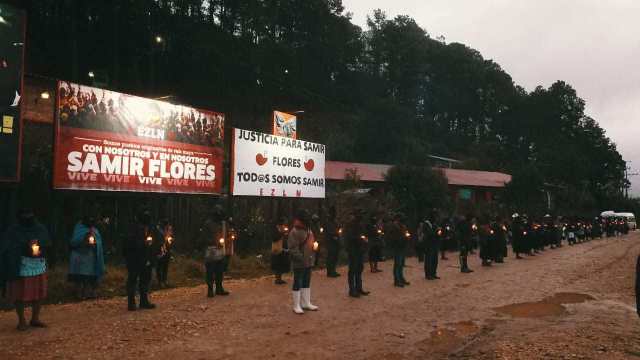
[
  {"x": 356, "y": 242},
  {"x": 279, "y": 255},
  {"x": 165, "y": 229},
  {"x": 396, "y": 237},
  {"x": 517, "y": 231},
  {"x": 433, "y": 237},
  {"x": 499, "y": 233},
  {"x": 464, "y": 229},
  {"x": 447, "y": 239},
  {"x": 332, "y": 239},
  {"x": 141, "y": 251},
  {"x": 487, "y": 243},
  {"x": 374, "y": 235}
]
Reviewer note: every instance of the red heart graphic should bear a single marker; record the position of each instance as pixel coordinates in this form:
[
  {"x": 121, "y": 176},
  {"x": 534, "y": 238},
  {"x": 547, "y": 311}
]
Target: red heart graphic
[
  {"x": 261, "y": 160},
  {"x": 309, "y": 165}
]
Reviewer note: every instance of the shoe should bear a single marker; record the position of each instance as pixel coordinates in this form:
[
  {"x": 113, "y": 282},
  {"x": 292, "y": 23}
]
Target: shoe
[
  {"x": 333, "y": 275},
  {"x": 147, "y": 305},
  {"x": 305, "y": 300},
  {"x": 280, "y": 282},
  {"x": 466, "y": 271},
  {"x": 132, "y": 304},
  {"x": 405, "y": 282},
  {"x": 436, "y": 277},
  {"x": 354, "y": 294},
  {"x": 363, "y": 292},
  {"x": 397, "y": 284},
  {"x": 296, "y": 302},
  {"x": 210, "y": 292},
  {"x": 222, "y": 292},
  {"x": 444, "y": 258},
  {"x": 378, "y": 270},
  {"x": 22, "y": 327},
  {"x": 38, "y": 324},
  {"x": 430, "y": 278}
]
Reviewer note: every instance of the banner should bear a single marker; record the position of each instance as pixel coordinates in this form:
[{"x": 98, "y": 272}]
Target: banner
[
  {"x": 285, "y": 125},
  {"x": 12, "y": 30},
  {"x": 274, "y": 166},
  {"x": 117, "y": 142}
]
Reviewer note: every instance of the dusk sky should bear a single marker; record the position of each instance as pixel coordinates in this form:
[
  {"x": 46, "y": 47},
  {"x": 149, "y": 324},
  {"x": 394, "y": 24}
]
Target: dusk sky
[{"x": 594, "y": 45}]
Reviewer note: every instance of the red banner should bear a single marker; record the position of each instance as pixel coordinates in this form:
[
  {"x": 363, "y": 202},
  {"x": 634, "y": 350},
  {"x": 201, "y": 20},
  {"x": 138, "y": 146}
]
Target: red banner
[{"x": 135, "y": 144}]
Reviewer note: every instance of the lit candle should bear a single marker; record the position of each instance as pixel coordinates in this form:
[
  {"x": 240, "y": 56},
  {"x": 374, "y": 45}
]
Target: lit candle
[
  {"x": 474, "y": 227},
  {"x": 233, "y": 237},
  {"x": 524, "y": 233},
  {"x": 491, "y": 231},
  {"x": 149, "y": 240},
  {"x": 221, "y": 241},
  {"x": 315, "y": 246},
  {"x": 92, "y": 240},
  {"x": 340, "y": 231},
  {"x": 379, "y": 231},
  {"x": 407, "y": 234},
  {"x": 321, "y": 230},
  {"x": 439, "y": 232},
  {"x": 286, "y": 228},
  {"x": 504, "y": 228},
  {"x": 35, "y": 249},
  {"x": 169, "y": 239}
]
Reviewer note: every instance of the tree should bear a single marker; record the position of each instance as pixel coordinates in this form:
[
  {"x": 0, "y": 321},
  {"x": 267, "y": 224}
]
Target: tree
[{"x": 417, "y": 190}]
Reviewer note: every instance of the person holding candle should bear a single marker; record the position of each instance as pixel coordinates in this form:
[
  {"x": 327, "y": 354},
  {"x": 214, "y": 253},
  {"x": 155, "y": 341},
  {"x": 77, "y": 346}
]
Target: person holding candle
[
  {"x": 165, "y": 229},
  {"x": 356, "y": 244},
  {"x": 279, "y": 252},
  {"x": 301, "y": 244},
  {"x": 86, "y": 260},
  {"x": 375, "y": 234},
  {"x": 465, "y": 228},
  {"x": 332, "y": 239},
  {"x": 23, "y": 266},
  {"x": 216, "y": 251},
  {"x": 140, "y": 251},
  {"x": 396, "y": 237}
]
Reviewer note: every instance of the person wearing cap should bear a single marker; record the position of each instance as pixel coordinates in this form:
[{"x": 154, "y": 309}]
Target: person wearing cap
[
  {"x": 356, "y": 241},
  {"x": 332, "y": 239},
  {"x": 86, "y": 260},
  {"x": 396, "y": 237},
  {"x": 23, "y": 268},
  {"x": 279, "y": 256},
  {"x": 302, "y": 250},
  {"x": 140, "y": 252}
]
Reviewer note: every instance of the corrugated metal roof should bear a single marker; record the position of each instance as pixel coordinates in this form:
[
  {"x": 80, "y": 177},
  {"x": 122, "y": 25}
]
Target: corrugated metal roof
[{"x": 337, "y": 170}]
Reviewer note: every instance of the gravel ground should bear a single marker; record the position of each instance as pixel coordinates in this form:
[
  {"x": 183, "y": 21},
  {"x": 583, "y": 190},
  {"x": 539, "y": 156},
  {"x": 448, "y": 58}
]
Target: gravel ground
[{"x": 576, "y": 302}]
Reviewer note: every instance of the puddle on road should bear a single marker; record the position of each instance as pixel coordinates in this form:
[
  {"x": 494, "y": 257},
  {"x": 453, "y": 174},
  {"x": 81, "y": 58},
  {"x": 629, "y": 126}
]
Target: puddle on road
[{"x": 550, "y": 306}]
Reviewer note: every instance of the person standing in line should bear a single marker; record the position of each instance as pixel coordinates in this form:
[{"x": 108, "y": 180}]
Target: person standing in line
[
  {"x": 23, "y": 267},
  {"x": 638, "y": 285},
  {"x": 396, "y": 237},
  {"x": 433, "y": 235},
  {"x": 86, "y": 259},
  {"x": 332, "y": 238},
  {"x": 356, "y": 243},
  {"x": 279, "y": 255},
  {"x": 165, "y": 230},
  {"x": 374, "y": 235},
  {"x": 302, "y": 249},
  {"x": 465, "y": 232},
  {"x": 140, "y": 251},
  {"x": 517, "y": 230}
]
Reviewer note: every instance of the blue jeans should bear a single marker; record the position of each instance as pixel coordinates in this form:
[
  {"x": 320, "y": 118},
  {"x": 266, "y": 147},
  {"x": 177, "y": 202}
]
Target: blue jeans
[{"x": 301, "y": 278}]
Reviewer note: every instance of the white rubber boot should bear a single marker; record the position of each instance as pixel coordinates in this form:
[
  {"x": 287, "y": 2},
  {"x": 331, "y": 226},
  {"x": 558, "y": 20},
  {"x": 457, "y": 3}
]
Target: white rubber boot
[
  {"x": 296, "y": 303},
  {"x": 306, "y": 300}
]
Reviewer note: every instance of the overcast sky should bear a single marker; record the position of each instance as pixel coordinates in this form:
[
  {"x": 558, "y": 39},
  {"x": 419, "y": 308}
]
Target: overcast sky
[{"x": 594, "y": 45}]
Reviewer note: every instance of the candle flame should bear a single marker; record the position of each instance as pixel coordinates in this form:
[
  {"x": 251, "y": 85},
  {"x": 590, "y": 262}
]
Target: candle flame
[
  {"x": 315, "y": 246},
  {"x": 35, "y": 249},
  {"x": 221, "y": 241}
]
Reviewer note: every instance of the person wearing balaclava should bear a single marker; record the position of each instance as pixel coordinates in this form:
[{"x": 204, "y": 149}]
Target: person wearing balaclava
[
  {"x": 86, "y": 259},
  {"x": 140, "y": 251},
  {"x": 23, "y": 266}
]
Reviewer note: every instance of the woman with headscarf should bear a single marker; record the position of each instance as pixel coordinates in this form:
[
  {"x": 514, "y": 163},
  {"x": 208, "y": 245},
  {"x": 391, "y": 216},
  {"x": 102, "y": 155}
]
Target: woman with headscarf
[
  {"x": 279, "y": 252},
  {"x": 23, "y": 266},
  {"x": 86, "y": 260}
]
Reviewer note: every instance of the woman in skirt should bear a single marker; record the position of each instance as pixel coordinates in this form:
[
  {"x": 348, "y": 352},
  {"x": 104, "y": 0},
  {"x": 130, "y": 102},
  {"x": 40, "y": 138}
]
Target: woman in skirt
[{"x": 22, "y": 250}]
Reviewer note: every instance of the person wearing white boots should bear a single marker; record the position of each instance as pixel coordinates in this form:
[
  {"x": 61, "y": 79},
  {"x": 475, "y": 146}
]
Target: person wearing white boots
[{"x": 302, "y": 250}]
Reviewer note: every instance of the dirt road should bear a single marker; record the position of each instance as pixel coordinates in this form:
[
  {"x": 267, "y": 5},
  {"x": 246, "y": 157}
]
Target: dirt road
[{"x": 571, "y": 303}]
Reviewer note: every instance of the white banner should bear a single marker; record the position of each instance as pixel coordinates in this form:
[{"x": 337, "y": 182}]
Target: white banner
[{"x": 274, "y": 166}]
